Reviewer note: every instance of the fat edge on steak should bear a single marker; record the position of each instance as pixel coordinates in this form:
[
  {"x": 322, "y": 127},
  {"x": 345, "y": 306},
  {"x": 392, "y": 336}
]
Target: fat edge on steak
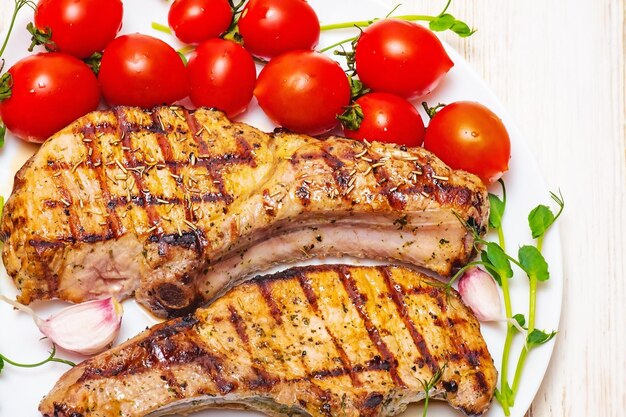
[
  {"x": 329, "y": 340},
  {"x": 174, "y": 206}
]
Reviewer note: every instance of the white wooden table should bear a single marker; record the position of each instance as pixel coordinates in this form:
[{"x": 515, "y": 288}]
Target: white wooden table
[{"x": 558, "y": 66}]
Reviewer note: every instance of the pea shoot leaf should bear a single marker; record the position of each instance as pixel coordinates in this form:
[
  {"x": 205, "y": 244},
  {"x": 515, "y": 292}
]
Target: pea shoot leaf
[
  {"x": 539, "y": 220},
  {"x": 442, "y": 22},
  {"x": 533, "y": 263},
  {"x": 541, "y": 217},
  {"x": 498, "y": 260},
  {"x": 489, "y": 267},
  {"x": 1, "y": 364},
  {"x": 496, "y": 211},
  {"x": 462, "y": 29},
  {"x": 539, "y": 337},
  {"x": 520, "y": 319}
]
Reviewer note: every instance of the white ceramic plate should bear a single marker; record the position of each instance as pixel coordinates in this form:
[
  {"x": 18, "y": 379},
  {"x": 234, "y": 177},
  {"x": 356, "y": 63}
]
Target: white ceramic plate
[{"x": 22, "y": 389}]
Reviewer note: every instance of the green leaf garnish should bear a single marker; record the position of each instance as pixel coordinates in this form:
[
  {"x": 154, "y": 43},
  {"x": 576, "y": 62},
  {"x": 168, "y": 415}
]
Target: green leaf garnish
[
  {"x": 539, "y": 337},
  {"x": 520, "y": 319},
  {"x": 533, "y": 263},
  {"x": 496, "y": 211},
  {"x": 539, "y": 220},
  {"x": 541, "y": 217},
  {"x": 442, "y": 22},
  {"x": 498, "y": 260}
]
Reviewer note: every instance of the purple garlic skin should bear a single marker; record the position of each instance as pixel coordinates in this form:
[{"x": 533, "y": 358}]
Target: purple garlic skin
[{"x": 479, "y": 292}]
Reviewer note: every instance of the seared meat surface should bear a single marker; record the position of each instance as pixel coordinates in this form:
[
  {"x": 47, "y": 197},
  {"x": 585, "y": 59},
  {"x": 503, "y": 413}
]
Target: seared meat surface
[
  {"x": 174, "y": 206},
  {"x": 328, "y": 340}
]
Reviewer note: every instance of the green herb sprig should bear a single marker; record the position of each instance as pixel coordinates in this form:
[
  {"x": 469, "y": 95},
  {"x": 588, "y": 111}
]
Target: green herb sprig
[
  {"x": 429, "y": 385},
  {"x": 499, "y": 264},
  {"x": 440, "y": 23},
  {"x": 51, "y": 358}
]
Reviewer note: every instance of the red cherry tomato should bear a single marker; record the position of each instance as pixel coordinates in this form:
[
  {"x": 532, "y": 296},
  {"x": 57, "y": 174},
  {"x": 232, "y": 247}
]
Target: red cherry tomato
[
  {"x": 80, "y": 27},
  {"x": 303, "y": 91},
  {"x": 272, "y": 27},
  {"x": 388, "y": 118},
  {"x": 194, "y": 21},
  {"x": 401, "y": 58},
  {"x": 139, "y": 70},
  {"x": 467, "y": 135},
  {"x": 222, "y": 75},
  {"x": 50, "y": 91}
]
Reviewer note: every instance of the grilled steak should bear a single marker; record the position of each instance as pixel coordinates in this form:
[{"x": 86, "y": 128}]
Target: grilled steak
[
  {"x": 328, "y": 340},
  {"x": 173, "y": 206}
]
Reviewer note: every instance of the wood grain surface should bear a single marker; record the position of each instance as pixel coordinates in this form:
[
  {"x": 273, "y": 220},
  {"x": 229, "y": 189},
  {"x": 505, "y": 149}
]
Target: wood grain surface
[{"x": 558, "y": 66}]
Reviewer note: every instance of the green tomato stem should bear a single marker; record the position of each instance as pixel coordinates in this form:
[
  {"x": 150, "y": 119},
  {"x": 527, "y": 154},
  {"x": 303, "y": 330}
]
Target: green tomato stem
[
  {"x": 366, "y": 23},
  {"x": 161, "y": 28}
]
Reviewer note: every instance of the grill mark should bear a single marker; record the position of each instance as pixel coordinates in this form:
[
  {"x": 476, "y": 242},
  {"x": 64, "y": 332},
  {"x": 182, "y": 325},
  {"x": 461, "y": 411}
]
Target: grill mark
[
  {"x": 215, "y": 368},
  {"x": 266, "y": 292},
  {"x": 340, "y": 176},
  {"x": 172, "y": 382},
  {"x": 203, "y": 149},
  {"x": 163, "y": 140},
  {"x": 94, "y": 155},
  {"x": 358, "y": 302},
  {"x": 214, "y": 165},
  {"x": 472, "y": 357},
  {"x": 397, "y": 297},
  {"x": 311, "y": 297},
  {"x": 239, "y": 326},
  {"x": 203, "y": 161},
  {"x": 245, "y": 151},
  {"x": 263, "y": 380},
  {"x": 481, "y": 382},
  {"x": 194, "y": 355},
  {"x": 123, "y": 132},
  {"x": 76, "y": 230},
  {"x": 265, "y": 289},
  {"x": 166, "y": 149},
  {"x": 397, "y": 199},
  {"x": 194, "y": 128},
  {"x": 41, "y": 245}
]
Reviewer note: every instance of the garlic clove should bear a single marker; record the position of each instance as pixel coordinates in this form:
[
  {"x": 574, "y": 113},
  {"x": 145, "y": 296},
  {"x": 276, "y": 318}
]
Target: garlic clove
[
  {"x": 479, "y": 292},
  {"x": 87, "y": 328}
]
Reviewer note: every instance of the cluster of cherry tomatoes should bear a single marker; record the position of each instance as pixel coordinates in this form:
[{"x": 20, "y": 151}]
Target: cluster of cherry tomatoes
[{"x": 298, "y": 88}]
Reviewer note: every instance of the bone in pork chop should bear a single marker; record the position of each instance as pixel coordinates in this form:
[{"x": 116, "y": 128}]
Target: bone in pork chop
[
  {"x": 175, "y": 206},
  {"x": 325, "y": 341}
]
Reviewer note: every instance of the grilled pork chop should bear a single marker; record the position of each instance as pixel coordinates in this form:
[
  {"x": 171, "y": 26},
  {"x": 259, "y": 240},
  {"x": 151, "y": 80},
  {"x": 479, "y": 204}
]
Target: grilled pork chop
[
  {"x": 173, "y": 206},
  {"x": 328, "y": 340}
]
